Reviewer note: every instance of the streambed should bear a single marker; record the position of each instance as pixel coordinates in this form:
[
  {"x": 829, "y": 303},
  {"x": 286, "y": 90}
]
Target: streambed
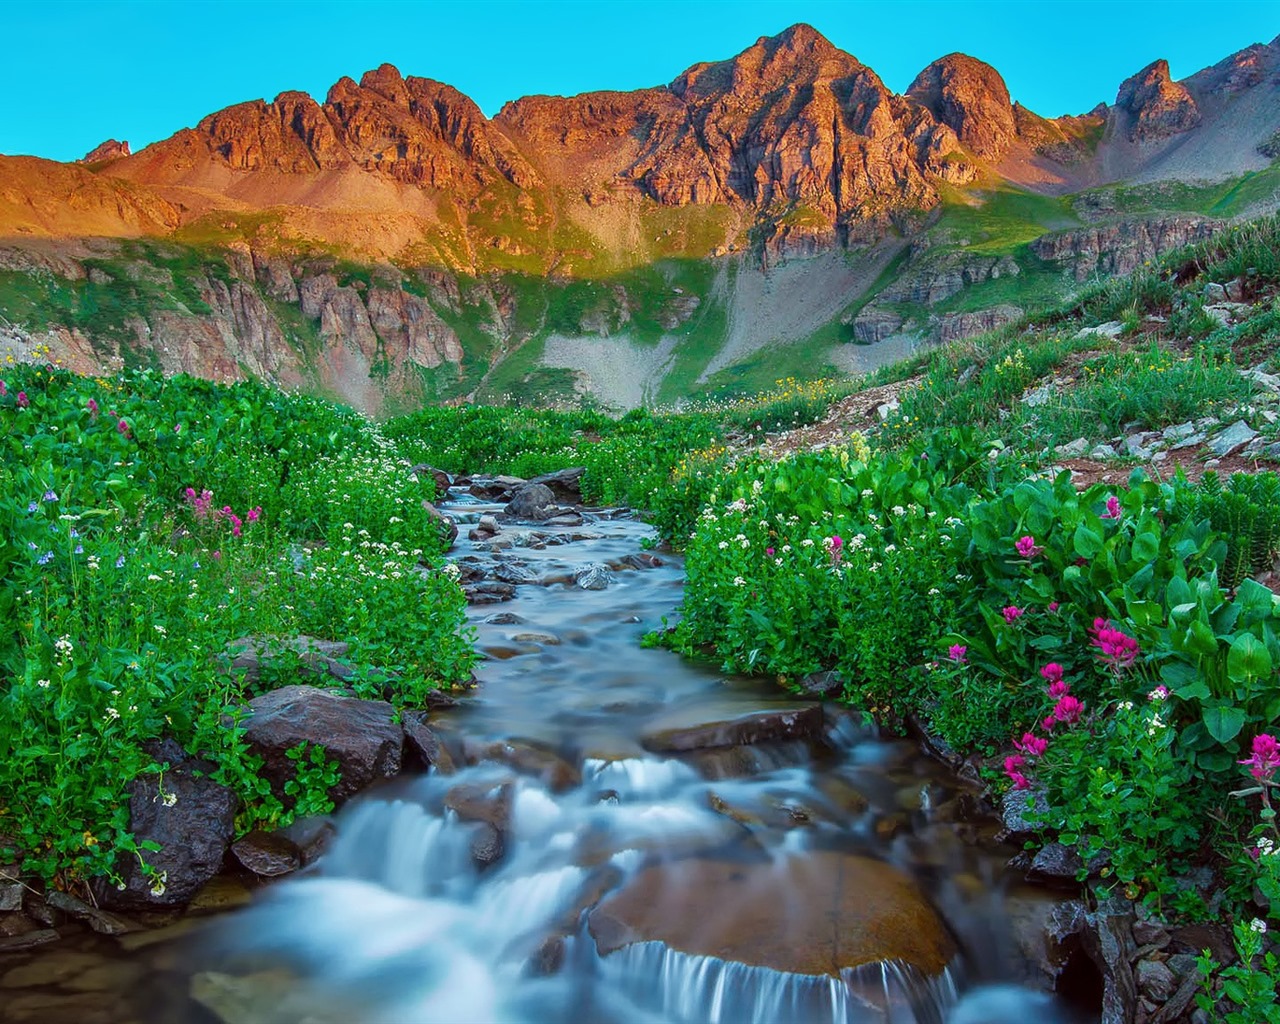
[{"x": 611, "y": 834}]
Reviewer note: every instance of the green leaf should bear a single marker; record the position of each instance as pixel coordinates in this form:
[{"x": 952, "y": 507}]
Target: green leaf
[
  {"x": 1146, "y": 545},
  {"x": 1200, "y": 639},
  {"x": 1224, "y": 723},
  {"x": 1248, "y": 659},
  {"x": 1087, "y": 543}
]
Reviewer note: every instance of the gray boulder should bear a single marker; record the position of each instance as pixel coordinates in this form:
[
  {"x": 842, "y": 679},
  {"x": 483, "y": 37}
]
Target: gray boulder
[{"x": 532, "y": 501}]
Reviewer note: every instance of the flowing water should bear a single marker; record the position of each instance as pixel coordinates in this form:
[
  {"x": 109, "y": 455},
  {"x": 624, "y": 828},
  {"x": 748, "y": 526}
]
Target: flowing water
[{"x": 623, "y": 836}]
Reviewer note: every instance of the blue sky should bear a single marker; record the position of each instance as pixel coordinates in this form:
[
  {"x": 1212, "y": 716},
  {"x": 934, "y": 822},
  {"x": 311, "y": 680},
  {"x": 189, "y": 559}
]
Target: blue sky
[{"x": 76, "y": 73}]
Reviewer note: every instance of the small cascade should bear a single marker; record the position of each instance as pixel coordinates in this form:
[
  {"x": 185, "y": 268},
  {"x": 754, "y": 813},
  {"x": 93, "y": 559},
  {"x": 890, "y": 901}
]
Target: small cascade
[{"x": 688, "y": 989}]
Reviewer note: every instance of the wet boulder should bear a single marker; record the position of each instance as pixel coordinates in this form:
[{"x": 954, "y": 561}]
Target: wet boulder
[
  {"x": 565, "y": 484},
  {"x": 816, "y": 915},
  {"x": 266, "y": 854},
  {"x": 690, "y": 730},
  {"x": 495, "y": 488},
  {"x": 192, "y": 818},
  {"x": 361, "y": 735},
  {"x": 531, "y": 501},
  {"x": 592, "y": 576}
]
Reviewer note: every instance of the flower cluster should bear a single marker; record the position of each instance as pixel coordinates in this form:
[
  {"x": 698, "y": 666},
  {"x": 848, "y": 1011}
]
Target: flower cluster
[
  {"x": 1066, "y": 711},
  {"x": 1118, "y": 649},
  {"x": 1265, "y": 758},
  {"x": 1027, "y": 547}
]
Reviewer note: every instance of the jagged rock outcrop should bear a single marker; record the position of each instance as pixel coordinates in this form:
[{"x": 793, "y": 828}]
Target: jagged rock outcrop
[
  {"x": 109, "y": 150},
  {"x": 1121, "y": 248},
  {"x": 954, "y": 326},
  {"x": 936, "y": 280},
  {"x": 1158, "y": 107},
  {"x": 970, "y": 98}
]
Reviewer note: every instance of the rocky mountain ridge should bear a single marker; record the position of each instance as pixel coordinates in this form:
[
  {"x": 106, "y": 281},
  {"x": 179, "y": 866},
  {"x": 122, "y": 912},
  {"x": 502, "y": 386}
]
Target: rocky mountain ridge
[
  {"x": 793, "y": 144},
  {"x": 391, "y": 244}
]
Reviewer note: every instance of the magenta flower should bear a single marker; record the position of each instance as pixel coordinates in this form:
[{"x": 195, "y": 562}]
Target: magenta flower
[
  {"x": 123, "y": 427},
  {"x": 1118, "y": 649},
  {"x": 92, "y": 406},
  {"x": 835, "y": 547},
  {"x": 1026, "y": 547},
  {"x": 1048, "y": 723},
  {"x": 1011, "y": 613},
  {"x": 958, "y": 653},
  {"x": 1053, "y": 606},
  {"x": 1031, "y": 744},
  {"x": 1265, "y": 758},
  {"x": 1052, "y": 672},
  {"x": 3, "y": 390},
  {"x": 23, "y": 400},
  {"x": 1059, "y": 688},
  {"x": 769, "y": 552},
  {"x": 1113, "y": 508},
  {"x": 255, "y": 513},
  {"x": 1068, "y": 710},
  {"x": 1012, "y": 764}
]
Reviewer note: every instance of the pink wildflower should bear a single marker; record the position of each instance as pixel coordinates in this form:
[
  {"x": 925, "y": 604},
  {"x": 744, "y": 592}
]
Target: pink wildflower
[
  {"x": 1059, "y": 688},
  {"x": 835, "y": 547},
  {"x": 958, "y": 653},
  {"x": 23, "y": 400},
  {"x": 1113, "y": 508},
  {"x": 123, "y": 427},
  {"x": 1265, "y": 759},
  {"x": 1119, "y": 649},
  {"x": 1052, "y": 672},
  {"x": 1048, "y": 723},
  {"x": 1068, "y": 710},
  {"x": 1011, "y": 613},
  {"x": 1027, "y": 547},
  {"x": 1012, "y": 764},
  {"x": 1053, "y": 606},
  {"x": 1031, "y": 744},
  {"x": 255, "y": 513},
  {"x": 3, "y": 390},
  {"x": 92, "y": 406}
]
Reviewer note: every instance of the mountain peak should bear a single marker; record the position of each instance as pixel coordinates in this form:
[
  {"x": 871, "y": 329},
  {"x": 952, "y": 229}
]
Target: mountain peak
[
  {"x": 1158, "y": 106},
  {"x": 970, "y": 97},
  {"x": 109, "y": 150}
]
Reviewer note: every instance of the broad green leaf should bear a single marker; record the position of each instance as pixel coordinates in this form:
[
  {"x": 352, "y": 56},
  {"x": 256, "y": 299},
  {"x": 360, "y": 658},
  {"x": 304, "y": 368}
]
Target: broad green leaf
[
  {"x": 1248, "y": 659},
  {"x": 1224, "y": 723},
  {"x": 1086, "y": 542}
]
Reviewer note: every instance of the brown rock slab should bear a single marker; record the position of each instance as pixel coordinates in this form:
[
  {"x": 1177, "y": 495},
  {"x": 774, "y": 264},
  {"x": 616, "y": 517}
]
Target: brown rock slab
[
  {"x": 787, "y": 722},
  {"x": 814, "y": 915}
]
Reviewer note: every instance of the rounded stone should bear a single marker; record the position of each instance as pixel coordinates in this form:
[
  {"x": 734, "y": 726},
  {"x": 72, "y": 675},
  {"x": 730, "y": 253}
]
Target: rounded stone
[{"x": 814, "y": 915}]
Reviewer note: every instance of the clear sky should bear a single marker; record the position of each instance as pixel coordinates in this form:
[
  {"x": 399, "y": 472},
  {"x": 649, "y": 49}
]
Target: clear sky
[{"x": 75, "y": 73}]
